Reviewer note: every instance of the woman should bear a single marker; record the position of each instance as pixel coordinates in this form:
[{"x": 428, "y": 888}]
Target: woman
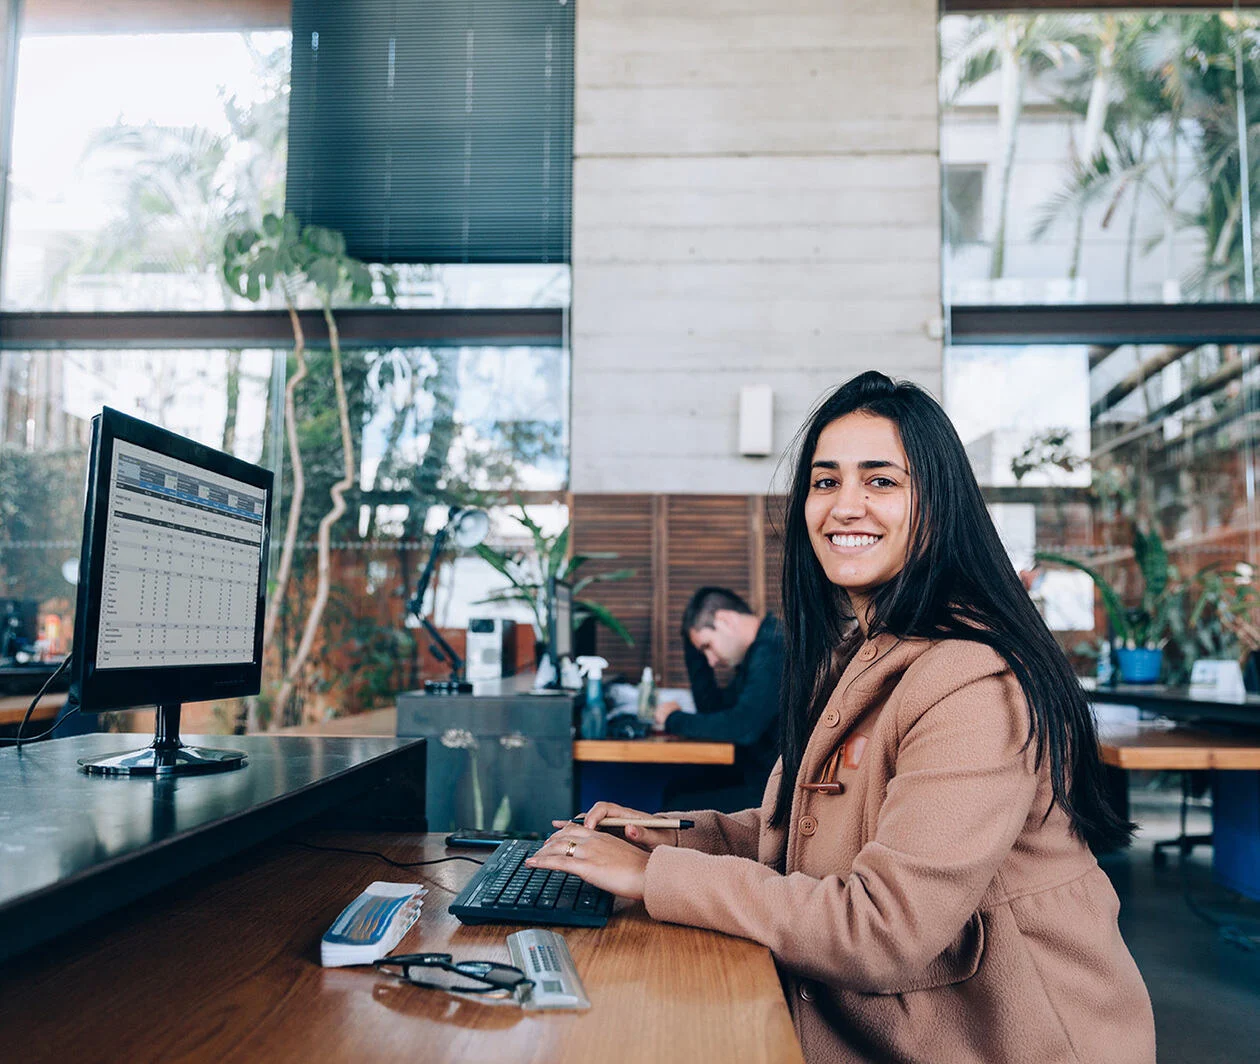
[{"x": 920, "y": 863}]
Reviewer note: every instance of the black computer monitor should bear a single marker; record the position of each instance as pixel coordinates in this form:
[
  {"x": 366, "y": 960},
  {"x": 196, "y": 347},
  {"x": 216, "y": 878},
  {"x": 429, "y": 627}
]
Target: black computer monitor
[
  {"x": 560, "y": 604},
  {"x": 172, "y": 584}
]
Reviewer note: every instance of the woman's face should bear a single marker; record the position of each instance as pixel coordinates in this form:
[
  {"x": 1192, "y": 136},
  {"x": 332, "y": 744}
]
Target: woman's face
[{"x": 858, "y": 510}]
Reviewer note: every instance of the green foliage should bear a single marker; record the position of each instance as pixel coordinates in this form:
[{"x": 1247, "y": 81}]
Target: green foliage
[
  {"x": 1049, "y": 447},
  {"x": 286, "y": 255},
  {"x": 41, "y": 521},
  {"x": 530, "y": 576},
  {"x": 1149, "y": 624}
]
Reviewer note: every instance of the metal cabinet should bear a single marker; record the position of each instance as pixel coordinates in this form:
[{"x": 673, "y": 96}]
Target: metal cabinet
[{"x": 500, "y": 757}]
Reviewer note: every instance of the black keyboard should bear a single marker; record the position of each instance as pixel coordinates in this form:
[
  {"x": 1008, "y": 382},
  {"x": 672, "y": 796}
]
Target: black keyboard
[{"x": 504, "y": 891}]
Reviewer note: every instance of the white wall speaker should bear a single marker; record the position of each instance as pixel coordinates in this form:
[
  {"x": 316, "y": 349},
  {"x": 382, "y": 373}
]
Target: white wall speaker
[{"x": 756, "y": 420}]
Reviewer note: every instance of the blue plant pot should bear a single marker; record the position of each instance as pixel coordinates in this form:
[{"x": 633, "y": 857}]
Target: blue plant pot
[{"x": 1140, "y": 666}]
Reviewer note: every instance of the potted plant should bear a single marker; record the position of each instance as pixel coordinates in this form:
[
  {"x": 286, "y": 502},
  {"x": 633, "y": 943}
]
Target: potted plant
[
  {"x": 530, "y": 577},
  {"x": 1222, "y": 624},
  {"x": 1140, "y": 631}
]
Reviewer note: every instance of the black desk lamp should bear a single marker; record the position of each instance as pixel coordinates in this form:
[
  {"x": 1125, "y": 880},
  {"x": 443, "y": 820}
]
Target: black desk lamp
[{"x": 466, "y": 527}]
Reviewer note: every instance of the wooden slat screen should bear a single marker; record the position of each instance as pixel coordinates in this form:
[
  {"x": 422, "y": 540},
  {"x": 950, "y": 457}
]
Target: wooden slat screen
[
  {"x": 675, "y": 544},
  {"x": 708, "y": 544},
  {"x": 622, "y": 524}
]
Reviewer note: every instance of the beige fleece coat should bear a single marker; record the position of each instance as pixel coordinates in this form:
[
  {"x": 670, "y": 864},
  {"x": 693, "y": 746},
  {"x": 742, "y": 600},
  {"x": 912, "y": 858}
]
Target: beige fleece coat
[{"x": 930, "y": 912}]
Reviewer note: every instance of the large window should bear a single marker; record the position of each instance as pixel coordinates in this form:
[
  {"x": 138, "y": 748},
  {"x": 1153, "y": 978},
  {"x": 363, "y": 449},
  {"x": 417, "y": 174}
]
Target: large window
[
  {"x": 1095, "y": 157},
  {"x": 457, "y": 385},
  {"x": 1109, "y": 148}
]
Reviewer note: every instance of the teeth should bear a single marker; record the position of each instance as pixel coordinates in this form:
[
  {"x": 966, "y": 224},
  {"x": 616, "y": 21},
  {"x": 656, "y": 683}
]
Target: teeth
[{"x": 853, "y": 541}]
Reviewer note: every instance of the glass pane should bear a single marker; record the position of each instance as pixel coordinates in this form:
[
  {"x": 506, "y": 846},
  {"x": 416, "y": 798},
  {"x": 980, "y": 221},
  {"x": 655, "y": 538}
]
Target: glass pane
[
  {"x": 1093, "y": 157},
  {"x": 47, "y": 400},
  {"x": 1113, "y": 457},
  {"x": 127, "y": 205}
]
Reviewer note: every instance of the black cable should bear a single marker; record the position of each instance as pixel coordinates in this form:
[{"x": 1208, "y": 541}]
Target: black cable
[
  {"x": 391, "y": 861},
  {"x": 17, "y": 740}
]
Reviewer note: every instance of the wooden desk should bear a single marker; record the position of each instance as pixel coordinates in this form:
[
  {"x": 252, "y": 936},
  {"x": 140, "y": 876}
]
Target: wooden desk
[
  {"x": 226, "y": 969},
  {"x": 13, "y": 707},
  {"x": 655, "y": 750},
  {"x": 1144, "y": 746}
]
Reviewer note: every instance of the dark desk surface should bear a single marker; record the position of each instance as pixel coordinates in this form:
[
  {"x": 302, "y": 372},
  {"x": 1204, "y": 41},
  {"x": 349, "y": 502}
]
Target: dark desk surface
[
  {"x": 77, "y": 844},
  {"x": 226, "y": 969},
  {"x": 1179, "y": 703}
]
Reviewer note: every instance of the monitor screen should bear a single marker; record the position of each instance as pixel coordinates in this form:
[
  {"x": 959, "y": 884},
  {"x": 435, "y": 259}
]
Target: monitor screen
[
  {"x": 173, "y": 572},
  {"x": 562, "y": 620}
]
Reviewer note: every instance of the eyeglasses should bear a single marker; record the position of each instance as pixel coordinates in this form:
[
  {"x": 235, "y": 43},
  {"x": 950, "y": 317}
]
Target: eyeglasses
[{"x": 440, "y": 971}]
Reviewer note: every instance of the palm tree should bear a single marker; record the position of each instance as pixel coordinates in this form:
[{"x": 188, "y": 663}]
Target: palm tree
[{"x": 1016, "y": 47}]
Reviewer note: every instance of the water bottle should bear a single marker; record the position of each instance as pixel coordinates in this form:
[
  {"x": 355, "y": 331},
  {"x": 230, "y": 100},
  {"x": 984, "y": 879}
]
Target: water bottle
[
  {"x": 1106, "y": 668},
  {"x": 594, "y": 720},
  {"x": 647, "y": 696}
]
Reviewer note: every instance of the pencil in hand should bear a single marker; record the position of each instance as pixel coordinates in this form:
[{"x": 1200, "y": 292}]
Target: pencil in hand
[{"x": 639, "y": 822}]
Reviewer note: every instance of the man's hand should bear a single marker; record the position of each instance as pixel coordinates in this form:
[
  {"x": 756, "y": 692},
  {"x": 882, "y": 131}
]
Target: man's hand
[{"x": 663, "y": 710}]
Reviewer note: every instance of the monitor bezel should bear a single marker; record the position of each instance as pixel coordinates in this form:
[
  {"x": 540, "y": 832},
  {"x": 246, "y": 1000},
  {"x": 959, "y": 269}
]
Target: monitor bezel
[
  {"x": 107, "y": 689},
  {"x": 552, "y": 598}
]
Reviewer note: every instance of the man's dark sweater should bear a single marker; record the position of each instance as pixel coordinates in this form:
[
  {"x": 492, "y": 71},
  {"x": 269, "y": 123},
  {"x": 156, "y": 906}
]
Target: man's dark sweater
[{"x": 746, "y": 711}]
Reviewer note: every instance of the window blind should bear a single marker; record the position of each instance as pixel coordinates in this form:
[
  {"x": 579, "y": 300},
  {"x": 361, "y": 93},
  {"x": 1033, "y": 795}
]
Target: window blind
[{"x": 435, "y": 131}]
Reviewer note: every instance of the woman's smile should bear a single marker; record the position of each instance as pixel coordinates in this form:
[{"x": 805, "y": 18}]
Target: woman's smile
[{"x": 858, "y": 509}]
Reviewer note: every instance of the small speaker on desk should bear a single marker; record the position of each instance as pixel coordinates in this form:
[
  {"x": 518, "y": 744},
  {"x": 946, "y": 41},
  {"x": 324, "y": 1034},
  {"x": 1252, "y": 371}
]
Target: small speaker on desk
[{"x": 491, "y": 648}]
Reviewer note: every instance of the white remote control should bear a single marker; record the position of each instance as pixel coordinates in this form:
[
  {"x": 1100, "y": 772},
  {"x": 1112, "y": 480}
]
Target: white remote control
[{"x": 544, "y": 957}]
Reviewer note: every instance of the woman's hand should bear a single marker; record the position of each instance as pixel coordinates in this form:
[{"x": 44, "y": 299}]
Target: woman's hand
[
  {"x": 603, "y": 860},
  {"x": 644, "y": 838}
]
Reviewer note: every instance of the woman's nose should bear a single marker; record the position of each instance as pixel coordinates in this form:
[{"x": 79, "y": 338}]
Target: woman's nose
[{"x": 849, "y": 502}]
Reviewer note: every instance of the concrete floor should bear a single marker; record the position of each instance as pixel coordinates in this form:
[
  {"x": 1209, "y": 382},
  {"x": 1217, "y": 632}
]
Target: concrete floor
[{"x": 1204, "y": 988}]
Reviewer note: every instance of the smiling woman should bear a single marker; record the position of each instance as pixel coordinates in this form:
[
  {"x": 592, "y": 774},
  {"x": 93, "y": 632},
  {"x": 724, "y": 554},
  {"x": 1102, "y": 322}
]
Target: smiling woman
[
  {"x": 858, "y": 510},
  {"x": 919, "y": 864}
]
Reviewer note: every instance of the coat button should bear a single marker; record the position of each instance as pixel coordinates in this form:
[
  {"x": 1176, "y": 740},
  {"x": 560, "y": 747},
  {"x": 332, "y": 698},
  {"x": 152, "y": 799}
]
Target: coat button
[
  {"x": 831, "y": 718},
  {"x": 808, "y": 825},
  {"x": 806, "y": 992},
  {"x": 868, "y": 652}
]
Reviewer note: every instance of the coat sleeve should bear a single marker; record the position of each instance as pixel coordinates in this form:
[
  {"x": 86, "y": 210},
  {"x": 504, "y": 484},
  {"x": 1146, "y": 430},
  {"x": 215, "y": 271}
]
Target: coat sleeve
[
  {"x": 962, "y": 790},
  {"x": 721, "y": 833}
]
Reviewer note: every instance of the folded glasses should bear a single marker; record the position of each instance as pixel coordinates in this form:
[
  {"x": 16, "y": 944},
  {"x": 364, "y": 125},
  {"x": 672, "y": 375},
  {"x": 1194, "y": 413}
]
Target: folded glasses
[{"x": 440, "y": 971}]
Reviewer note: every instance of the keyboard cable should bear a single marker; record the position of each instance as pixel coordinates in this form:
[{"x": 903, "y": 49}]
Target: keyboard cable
[{"x": 391, "y": 861}]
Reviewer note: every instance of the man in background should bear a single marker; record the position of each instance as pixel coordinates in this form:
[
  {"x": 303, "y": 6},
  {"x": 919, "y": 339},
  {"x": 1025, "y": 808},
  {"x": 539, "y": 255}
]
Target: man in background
[{"x": 720, "y": 630}]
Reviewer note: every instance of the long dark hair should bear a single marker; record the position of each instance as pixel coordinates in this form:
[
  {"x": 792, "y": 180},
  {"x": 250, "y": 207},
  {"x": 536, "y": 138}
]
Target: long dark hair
[{"x": 957, "y": 583}]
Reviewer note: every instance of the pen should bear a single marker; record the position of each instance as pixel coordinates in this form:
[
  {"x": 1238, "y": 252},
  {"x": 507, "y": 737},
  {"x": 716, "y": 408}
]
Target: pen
[{"x": 641, "y": 822}]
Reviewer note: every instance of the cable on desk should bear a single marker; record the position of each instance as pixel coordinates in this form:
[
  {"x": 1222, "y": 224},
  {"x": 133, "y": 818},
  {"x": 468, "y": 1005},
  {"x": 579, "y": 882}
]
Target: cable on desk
[
  {"x": 391, "y": 861},
  {"x": 17, "y": 740}
]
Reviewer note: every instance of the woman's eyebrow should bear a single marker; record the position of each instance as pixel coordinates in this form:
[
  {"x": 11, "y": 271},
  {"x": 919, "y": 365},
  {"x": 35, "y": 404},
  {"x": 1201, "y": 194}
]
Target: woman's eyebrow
[{"x": 870, "y": 463}]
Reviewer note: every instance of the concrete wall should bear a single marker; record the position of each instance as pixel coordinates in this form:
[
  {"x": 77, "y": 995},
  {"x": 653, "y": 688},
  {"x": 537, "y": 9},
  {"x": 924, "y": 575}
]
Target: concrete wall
[{"x": 756, "y": 201}]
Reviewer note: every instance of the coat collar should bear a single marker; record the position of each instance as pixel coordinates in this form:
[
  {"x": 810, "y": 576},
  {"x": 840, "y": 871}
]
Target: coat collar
[{"x": 872, "y": 672}]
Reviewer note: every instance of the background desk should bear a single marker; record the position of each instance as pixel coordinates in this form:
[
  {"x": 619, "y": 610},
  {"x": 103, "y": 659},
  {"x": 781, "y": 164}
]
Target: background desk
[
  {"x": 1234, "y": 759},
  {"x": 634, "y": 772},
  {"x": 227, "y": 970},
  {"x": 654, "y": 750}
]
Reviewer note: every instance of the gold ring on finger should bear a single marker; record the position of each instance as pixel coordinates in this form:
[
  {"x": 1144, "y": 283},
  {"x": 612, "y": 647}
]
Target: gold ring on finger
[{"x": 571, "y": 849}]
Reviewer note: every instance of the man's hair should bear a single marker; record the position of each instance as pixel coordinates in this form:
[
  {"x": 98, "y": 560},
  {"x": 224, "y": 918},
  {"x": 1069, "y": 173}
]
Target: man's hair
[{"x": 705, "y": 603}]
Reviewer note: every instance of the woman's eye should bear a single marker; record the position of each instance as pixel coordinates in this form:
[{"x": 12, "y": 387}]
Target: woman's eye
[
  {"x": 883, "y": 482},
  {"x": 824, "y": 484}
]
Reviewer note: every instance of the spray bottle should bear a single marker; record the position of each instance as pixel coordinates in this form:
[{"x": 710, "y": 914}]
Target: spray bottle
[{"x": 594, "y": 720}]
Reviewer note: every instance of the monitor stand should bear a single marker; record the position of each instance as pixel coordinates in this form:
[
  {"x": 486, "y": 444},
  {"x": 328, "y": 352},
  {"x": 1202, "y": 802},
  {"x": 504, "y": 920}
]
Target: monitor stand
[{"x": 166, "y": 756}]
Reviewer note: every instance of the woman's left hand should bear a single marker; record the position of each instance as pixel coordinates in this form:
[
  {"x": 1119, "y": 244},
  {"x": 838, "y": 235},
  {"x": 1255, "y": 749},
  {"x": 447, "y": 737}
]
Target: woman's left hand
[{"x": 603, "y": 860}]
